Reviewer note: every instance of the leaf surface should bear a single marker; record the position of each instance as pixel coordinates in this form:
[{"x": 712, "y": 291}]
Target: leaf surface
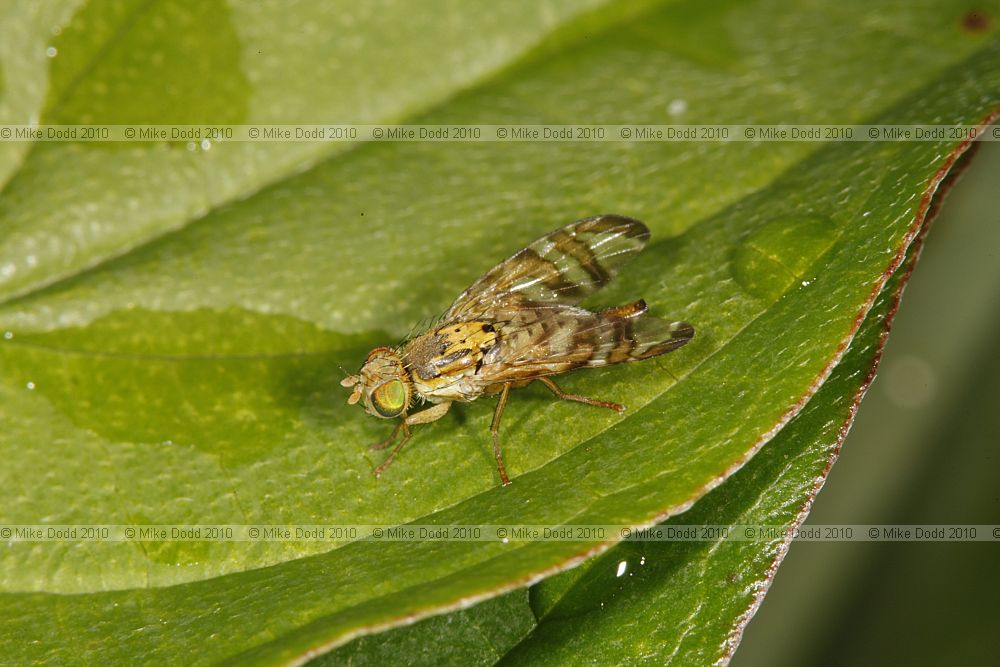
[{"x": 190, "y": 374}]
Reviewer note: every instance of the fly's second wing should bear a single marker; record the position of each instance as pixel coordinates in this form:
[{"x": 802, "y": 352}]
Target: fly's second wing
[
  {"x": 535, "y": 341},
  {"x": 563, "y": 266}
]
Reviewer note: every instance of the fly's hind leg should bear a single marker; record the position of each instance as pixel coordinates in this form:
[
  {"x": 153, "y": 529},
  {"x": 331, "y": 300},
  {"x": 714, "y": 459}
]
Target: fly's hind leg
[
  {"x": 554, "y": 388},
  {"x": 422, "y": 417}
]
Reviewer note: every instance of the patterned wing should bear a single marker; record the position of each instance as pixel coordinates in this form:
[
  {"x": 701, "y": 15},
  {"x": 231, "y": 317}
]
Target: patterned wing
[
  {"x": 555, "y": 338},
  {"x": 563, "y": 266}
]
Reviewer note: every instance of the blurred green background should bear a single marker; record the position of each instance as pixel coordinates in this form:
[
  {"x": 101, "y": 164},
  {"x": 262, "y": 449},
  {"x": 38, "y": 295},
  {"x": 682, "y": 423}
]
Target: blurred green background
[{"x": 923, "y": 450}]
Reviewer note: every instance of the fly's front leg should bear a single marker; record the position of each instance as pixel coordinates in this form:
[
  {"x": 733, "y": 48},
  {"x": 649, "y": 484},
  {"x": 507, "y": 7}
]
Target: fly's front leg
[
  {"x": 395, "y": 450},
  {"x": 554, "y": 388},
  {"x": 392, "y": 438},
  {"x": 422, "y": 417},
  {"x": 495, "y": 430}
]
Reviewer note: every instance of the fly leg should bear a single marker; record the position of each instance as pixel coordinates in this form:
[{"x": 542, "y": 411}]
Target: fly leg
[
  {"x": 495, "y": 430},
  {"x": 554, "y": 388},
  {"x": 422, "y": 417},
  {"x": 382, "y": 444}
]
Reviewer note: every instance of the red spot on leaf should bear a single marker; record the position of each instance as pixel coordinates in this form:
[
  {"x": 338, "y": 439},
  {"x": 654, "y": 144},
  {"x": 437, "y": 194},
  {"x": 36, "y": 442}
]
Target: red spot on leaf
[{"x": 976, "y": 20}]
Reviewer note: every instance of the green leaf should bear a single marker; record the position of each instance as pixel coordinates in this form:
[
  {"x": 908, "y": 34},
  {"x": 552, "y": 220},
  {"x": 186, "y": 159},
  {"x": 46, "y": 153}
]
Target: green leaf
[
  {"x": 672, "y": 602},
  {"x": 477, "y": 636},
  {"x": 687, "y": 602},
  {"x": 135, "y": 61},
  {"x": 191, "y": 376}
]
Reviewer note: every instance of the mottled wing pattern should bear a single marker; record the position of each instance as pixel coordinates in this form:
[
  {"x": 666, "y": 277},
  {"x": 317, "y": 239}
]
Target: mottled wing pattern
[
  {"x": 547, "y": 339},
  {"x": 564, "y": 266}
]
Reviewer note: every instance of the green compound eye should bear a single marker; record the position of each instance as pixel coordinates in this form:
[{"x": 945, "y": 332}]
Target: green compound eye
[{"x": 389, "y": 398}]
